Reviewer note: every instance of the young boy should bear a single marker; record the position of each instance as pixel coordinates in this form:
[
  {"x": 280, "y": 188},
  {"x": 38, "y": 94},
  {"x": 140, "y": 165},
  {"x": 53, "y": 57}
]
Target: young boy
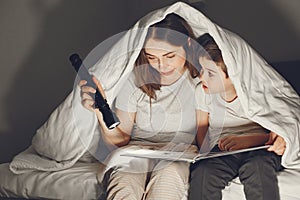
[{"x": 223, "y": 126}]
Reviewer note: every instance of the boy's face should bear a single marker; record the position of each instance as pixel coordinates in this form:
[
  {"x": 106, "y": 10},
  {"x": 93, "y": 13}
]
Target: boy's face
[{"x": 213, "y": 77}]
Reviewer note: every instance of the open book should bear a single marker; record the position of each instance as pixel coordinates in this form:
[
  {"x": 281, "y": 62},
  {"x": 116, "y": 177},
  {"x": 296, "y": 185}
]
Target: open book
[{"x": 184, "y": 156}]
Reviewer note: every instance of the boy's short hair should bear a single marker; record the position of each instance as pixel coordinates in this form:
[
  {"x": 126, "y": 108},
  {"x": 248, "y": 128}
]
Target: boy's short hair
[{"x": 210, "y": 50}]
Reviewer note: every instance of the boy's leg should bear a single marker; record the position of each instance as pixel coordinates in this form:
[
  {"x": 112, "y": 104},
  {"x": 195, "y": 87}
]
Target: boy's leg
[
  {"x": 210, "y": 176},
  {"x": 258, "y": 175}
]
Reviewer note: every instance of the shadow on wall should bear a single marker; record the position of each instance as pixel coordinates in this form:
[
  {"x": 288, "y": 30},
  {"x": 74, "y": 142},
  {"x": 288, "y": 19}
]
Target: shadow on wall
[
  {"x": 267, "y": 28},
  {"x": 46, "y": 77},
  {"x": 290, "y": 71}
]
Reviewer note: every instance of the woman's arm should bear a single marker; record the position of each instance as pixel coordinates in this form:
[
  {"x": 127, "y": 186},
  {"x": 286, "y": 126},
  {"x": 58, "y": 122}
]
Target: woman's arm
[
  {"x": 118, "y": 136},
  {"x": 202, "y": 126}
]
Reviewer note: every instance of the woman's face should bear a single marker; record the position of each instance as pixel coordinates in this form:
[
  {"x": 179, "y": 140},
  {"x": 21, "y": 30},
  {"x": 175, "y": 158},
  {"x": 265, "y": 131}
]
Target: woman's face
[
  {"x": 213, "y": 77},
  {"x": 167, "y": 59}
]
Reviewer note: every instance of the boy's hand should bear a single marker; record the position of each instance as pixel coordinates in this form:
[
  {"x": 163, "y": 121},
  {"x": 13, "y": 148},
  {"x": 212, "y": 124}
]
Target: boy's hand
[
  {"x": 277, "y": 142},
  {"x": 234, "y": 142}
]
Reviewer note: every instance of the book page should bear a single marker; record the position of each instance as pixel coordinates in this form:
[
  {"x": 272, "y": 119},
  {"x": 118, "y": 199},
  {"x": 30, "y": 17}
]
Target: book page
[
  {"x": 165, "y": 155},
  {"x": 184, "y": 156},
  {"x": 225, "y": 153}
]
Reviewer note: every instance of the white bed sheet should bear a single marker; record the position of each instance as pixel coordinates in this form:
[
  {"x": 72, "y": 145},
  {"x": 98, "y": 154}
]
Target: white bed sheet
[{"x": 78, "y": 182}]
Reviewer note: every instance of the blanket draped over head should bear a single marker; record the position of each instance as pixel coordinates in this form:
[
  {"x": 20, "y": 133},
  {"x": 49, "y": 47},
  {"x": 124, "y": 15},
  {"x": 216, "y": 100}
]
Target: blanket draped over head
[{"x": 265, "y": 96}]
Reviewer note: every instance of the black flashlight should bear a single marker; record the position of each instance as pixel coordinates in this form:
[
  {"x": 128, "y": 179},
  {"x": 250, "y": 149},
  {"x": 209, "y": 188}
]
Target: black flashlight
[{"x": 109, "y": 117}]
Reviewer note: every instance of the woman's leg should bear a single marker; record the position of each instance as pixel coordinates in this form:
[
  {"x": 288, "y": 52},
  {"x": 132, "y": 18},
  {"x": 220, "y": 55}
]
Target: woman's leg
[
  {"x": 168, "y": 181},
  {"x": 124, "y": 185},
  {"x": 127, "y": 182},
  {"x": 258, "y": 175}
]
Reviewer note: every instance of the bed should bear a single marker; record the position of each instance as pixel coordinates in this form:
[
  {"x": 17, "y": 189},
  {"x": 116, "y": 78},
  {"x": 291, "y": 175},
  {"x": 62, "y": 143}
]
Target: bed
[
  {"x": 80, "y": 182},
  {"x": 77, "y": 182}
]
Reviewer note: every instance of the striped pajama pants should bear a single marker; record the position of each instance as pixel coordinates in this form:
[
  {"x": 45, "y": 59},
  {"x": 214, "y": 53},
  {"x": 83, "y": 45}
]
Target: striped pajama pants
[{"x": 164, "y": 180}]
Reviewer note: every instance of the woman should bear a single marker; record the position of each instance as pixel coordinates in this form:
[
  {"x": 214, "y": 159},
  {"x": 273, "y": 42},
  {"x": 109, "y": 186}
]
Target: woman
[{"x": 152, "y": 107}]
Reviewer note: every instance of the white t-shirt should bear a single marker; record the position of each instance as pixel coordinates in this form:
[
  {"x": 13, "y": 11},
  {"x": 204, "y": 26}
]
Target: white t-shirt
[
  {"x": 224, "y": 118},
  {"x": 171, "y": 115}
]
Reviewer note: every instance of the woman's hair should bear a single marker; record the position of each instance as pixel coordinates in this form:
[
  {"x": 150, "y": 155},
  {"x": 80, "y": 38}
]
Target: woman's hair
[
  {"x": 209, "y": 49},
  {"x": 176, "y": 31}
]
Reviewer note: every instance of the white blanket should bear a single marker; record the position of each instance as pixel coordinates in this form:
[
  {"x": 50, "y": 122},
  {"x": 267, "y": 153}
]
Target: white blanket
[
  {"x": 79, "y": 182},
  {"x": 266, "y": 97}
]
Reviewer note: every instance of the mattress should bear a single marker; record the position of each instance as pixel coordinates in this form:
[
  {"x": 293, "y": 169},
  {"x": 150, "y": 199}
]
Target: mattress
[{"x": 80, "y": 182}]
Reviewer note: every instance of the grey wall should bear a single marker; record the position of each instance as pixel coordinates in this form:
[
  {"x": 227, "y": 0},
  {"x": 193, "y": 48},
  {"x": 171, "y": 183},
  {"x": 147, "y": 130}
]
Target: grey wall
[{"x": 37, "y": 36}]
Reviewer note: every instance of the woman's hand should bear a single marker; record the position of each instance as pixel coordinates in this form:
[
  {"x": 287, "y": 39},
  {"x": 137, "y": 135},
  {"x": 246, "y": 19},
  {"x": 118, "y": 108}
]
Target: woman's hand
[
  {"x": 277, "y": 142},
  {"x": 118, "y": 136},
  {"x": 86, "y": 91},
  {"x": 236, "y": 142}
]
